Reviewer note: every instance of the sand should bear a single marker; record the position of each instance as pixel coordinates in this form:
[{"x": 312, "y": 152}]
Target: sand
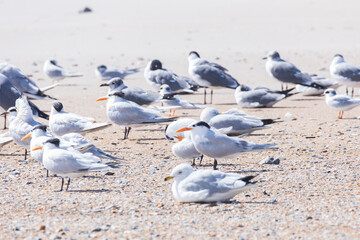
[{"x": 314, "y": 193}]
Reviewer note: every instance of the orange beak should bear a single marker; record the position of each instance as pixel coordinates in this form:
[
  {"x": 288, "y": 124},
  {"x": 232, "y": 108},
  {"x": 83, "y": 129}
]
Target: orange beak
[
  {"x": 102, "y": 99},
  {"x": 37, "y": 148},
  {"x": 180, "y": 138},
  {"x": 26, "y": 137},
  {"x": 183, "y": 129}
]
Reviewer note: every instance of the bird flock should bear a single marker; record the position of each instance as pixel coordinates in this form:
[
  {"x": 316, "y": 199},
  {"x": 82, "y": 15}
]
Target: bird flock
[{"x": 62, "y": 148}]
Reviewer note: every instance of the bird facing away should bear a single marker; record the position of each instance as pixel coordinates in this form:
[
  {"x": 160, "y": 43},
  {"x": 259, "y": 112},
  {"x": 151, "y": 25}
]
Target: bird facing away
[
  {"x": 62, "y": 122},
  {"x": 125, "y": 113},
  {"x": 208, "y": 74},
  {"x": 206, "y": 185},
  {"x": 133, "y": 94},
  {"x": 105, "y": 73},
  {"x": 345, "y": 73},
  {"x": 55, "y": 72},
  {"x": 259, "y": 97},
  {"x": 68, "y": 162},
  {"x": 340, "y": 102},
  {"x": 217, "y": 145}
]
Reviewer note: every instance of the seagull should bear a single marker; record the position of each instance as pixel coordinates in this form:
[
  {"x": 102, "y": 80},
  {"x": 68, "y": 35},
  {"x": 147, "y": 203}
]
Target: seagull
[
  {"x": 105, "y": 73},
  {"x": 123, "y": 112},
  {"x": 156, "y": 76},
  {"x": 133, "y": 94},
  {"x": 345, "y": 73},
  {"x": 323, "y": 81},
  {"x": 209, "y": 74},
  {"x": 23, "y": 83},
  {"x": 21, "y": 122},
  {"x": 206, "y": 185},
  {"x": 62, "y": 122},
  {"x": 259, "y": 97},
  {"x": 233, "y": 124},
  {"x": 286, "y": 72},
  {"x": 217, "y": 145},
  {"x": 170, "y": 98},
  {"x": 54, "y": 71},
  {"x": 340, "y": 102},
  {"x": 184, "y": 147},
  {"x": 67, "y": 162},
  {"x": 8, "y": 95}
]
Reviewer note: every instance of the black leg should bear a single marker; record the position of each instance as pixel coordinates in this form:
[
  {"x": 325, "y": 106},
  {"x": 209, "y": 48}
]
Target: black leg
[
  {"x": 5, "y": 121},
  {"x": 204, "y": 95},
  {"x": 282, "y": 88},
  {"x": 127, "y": 135},
  {"x": 62, "y": 184},
  {"x": 352, "y": 92},
  {"x": 212, "y": 92},
  {"x": 25, "y": 153},
  {"x": 47, "y": 173},
  {"x": 215, "y": 164},
  {"x": 346, "y": 91},
  {"x": 68, "y": 184},
  {"x": 193, "y": 162},
  {"x": 201, "y": 158}
]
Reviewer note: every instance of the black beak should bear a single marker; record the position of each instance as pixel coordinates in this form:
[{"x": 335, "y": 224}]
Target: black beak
[
  {"x": 264, "y": 58},
  {"x": 104, "y": 85}
]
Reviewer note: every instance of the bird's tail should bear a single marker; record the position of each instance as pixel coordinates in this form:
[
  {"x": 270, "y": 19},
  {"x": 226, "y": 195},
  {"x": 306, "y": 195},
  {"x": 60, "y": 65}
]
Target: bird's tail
[
  {"x": 96, "y": 127},
  {"x": 132, "y": 71},
  {"x": 74, "y": 75},
  {"x": 270, "y": 121},
  {"x": 101, "y": 154},
  {"x": 37, "y": 112}
]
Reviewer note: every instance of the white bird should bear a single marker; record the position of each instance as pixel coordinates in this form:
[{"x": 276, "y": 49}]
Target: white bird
[
  {"x": 23, "y": 83},
  {"x": 21, "y": 122},
  {"x": 259, "y": 97},
  {"x": 208, "y": 74},
  {"x": 170, "y": 98},
  {"x": 345, "y": 73},
  {"x": 156, "y": 76},
  {"x": 133, "y": 94},
  {"x": 340, "y": 102},
  {"x": 62, "y": 122},
  {"x": 323, "y": 81},
  {"x": 5, "y": 138},
  {"x": 170, "y": 130},
  {"x": 206, "y": 185},
  {"x": 68, "y": 162},
  {"x": 217, "y": 145},
  {"x": 55, "y": 72},
  {"x": 105, "y": 73},
  {"x": 123, "y": 112},
  {"x": 286, "y": 72}
]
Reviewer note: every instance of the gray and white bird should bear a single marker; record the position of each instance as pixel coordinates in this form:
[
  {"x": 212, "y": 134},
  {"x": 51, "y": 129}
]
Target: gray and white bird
[
  {"x": 345, "y": 73},
  {"x": 56, "y": 72},
  {"x": 259, "y": 97},
  {"x": 105, "y": 73},
  {"x": 156, "y": 76},
  {"x": 23, "y": 83},
  {"x": 67, "y": 162},
  {"x": 340, "y": 102},
  {"x": 192, "y": 185},
  {"x": 217, "y": 145},
  {"x": 8, "y": 95},
  {"x": 125, "y": 113},
  {"x": 208, "y": 74},
  {"x": 5, "y": 138},
  {"x": 286, "y": 72},
  {"x": 62, "y": 122},
  {"x": 133, "y": 94}
]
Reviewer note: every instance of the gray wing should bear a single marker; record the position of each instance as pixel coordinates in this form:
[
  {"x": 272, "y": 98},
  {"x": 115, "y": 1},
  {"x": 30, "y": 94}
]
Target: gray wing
[
  {"x": 140, "y": 96},
  {"x": 349, "y": 71},
  {"x": 215, "y": 76},
  {"x": 287, "y": 72},
  {"x": 260, "y": 98},
  {"x": 8, "y": 93},
  {"x": 113, "y": 73},
  {"x": 163, "y": 76}
]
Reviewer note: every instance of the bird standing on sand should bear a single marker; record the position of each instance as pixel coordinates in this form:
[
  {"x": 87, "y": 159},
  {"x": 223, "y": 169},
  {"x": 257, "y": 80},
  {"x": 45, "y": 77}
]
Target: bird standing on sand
[
  {"x": 208, "y": 74},
  {"x": 206, "y": 185},
  {"x": 340, "y": 102}
]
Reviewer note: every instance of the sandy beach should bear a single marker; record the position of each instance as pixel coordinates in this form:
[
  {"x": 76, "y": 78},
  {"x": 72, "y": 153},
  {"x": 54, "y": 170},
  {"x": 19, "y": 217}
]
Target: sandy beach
[{"x": 314, "y": 193}]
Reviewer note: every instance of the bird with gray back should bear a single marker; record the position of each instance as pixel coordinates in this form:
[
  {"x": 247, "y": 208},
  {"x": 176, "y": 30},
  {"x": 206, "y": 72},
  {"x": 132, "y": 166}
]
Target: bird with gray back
[{"x": 105, "y": 73}]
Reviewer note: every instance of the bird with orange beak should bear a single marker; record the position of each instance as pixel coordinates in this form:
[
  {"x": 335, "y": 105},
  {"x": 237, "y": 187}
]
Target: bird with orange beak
[
  {"x": 217, "y": 145},
  {"x": 125, "y": 113}
]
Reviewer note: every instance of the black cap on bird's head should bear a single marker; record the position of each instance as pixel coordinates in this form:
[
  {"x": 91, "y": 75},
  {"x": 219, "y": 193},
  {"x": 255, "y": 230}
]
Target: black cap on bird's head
[
  {"x": 272, "y": 55},
  {"x": 155, "y": 65},
  {"x": 338, "y": 55},
  {"x": 41, "y": 127},
  {"x": 58, "y": 106},
  {"x": 116, "y": 81},
  {"x": 54, "y": 141},
  {"x": 12, "y": 109},
  {"x": 201, "y": 123},
  {"x": 195, "y": 53},
  {"x": 119, "y": 94},
  {"x": 244, "y": 88},
  {"x": 101, "y": 67},
  {"x": 53, "y": 61}
]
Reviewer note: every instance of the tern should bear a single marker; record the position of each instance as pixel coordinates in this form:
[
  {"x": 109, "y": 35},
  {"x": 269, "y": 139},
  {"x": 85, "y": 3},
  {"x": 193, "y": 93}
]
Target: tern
[
  {"x": 208, "y": 74},
  {"x": 62, "y": 122},
  {"x": 55, "y": 72},
  {"x": 192, "y": 185},
  {"x": 105, "y": 73},
  {"x": 340, "y": 102},
  {"x": 217, "y": 145}
]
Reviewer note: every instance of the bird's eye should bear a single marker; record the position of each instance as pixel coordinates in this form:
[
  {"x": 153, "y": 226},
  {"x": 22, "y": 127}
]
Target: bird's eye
[{"x": 180, "y": 172}]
